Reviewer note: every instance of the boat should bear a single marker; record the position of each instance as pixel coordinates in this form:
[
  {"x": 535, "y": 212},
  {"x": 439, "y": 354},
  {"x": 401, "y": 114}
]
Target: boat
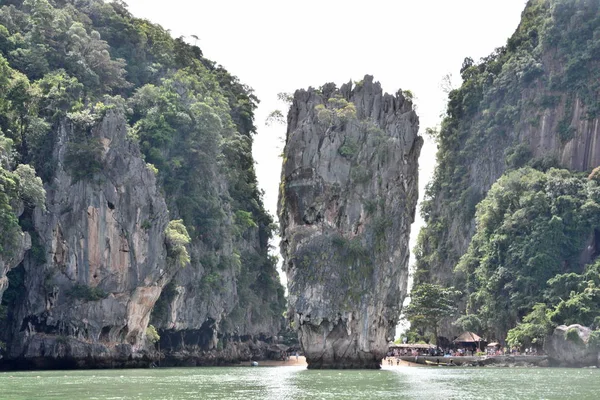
[{"x": 440, "y": 364}]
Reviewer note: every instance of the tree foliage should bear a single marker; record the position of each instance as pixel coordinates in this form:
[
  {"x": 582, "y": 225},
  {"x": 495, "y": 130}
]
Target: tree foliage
[
  {"x": 547, "y": 66},
  {"x": 429, "y": 304},
  {"x": 531, "y": 229},
  {"x": 64, "y": 64},
  {"x": 21, "y": 186},
  {"x": 31, "y": 189},
  {"x": 151, "y": 334},
  {"x": 176, "y": 238},
  {"x": 533, "y": 331}
]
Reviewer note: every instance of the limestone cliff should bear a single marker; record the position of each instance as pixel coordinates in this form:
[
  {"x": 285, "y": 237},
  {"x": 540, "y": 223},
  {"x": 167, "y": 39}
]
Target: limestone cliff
[
  {"x": 11, "y": 261},
  {"x": 13, "y": 241},
  {"x": 151, "y": 213},
  {"x": 532, "y": 102},
  {"x": 347, "y": 200},
  {"x": 89, "y": 286},
  {"x": 101, "y": 258}
]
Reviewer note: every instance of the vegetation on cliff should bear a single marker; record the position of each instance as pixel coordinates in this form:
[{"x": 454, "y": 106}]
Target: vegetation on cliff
[
  {"x": 534, "y": 223},
  {"x": 429, "y": 304},
  {"x": 531, "y": 227},
  {"x": 69, "y": 63},
  {"x": 347, "y": 198}
]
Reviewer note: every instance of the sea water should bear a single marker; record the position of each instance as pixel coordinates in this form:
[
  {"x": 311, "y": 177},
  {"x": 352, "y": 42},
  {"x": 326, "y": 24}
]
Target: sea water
[{"x": 254, "y": 383}]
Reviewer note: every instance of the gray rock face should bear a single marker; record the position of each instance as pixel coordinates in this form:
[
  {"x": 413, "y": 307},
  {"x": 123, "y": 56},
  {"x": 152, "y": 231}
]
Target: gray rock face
[
  {"x": 570, "y": 350},
  {"x": 347, "y": 200},
  {"x": 580, "y": 153},
  {"x": 516, "y": 121},
  {"x": 203, "y": 318},
  {"x": 98, "y": 272},
  {"x": 8, "y": 263},
  {"x": 103, "y": 241},
  {"x": 15, "y": 256},
  {"x": 222, "y": 301}
]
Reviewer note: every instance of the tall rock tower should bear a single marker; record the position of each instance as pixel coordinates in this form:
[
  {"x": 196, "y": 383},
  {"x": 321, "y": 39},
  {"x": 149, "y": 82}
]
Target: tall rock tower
[{"x": 347, "y": 200}]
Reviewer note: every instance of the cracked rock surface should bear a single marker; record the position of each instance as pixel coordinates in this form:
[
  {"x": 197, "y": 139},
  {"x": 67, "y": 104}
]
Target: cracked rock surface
[{"x": 347, "y": 200}]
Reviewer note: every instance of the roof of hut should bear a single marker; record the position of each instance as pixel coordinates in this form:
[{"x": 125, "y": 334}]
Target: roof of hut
[{"x": 468, "y": 337}]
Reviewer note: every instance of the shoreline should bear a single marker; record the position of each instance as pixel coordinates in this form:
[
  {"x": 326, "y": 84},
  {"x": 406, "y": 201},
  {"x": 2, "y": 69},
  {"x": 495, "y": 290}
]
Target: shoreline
[
  {"x": 302, "y": 363},
  {"x": 278, "y": 363},
  {"x": 399, "y": 363},
  {"x": 402, "y": 362},
  {"x": 481, "y": 361}
]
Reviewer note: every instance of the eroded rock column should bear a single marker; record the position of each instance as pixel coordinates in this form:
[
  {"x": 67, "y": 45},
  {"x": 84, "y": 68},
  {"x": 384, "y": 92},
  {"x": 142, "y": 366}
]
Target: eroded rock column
[{"x": 347, "y": 199}]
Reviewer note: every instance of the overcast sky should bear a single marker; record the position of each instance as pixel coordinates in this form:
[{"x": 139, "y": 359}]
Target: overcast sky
[{"x": 280, "y": 46}]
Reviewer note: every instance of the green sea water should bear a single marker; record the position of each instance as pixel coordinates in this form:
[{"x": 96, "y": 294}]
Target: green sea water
[{"x": 247, "y": 383}]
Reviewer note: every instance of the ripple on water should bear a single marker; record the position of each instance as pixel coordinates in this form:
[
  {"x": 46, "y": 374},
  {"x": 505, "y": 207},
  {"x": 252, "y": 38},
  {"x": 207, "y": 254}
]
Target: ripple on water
[{"x": 297, "y": 383}]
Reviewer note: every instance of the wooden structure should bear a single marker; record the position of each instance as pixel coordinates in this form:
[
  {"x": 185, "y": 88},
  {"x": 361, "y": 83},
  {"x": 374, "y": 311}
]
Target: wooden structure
[{"x": 470, "y": 340}]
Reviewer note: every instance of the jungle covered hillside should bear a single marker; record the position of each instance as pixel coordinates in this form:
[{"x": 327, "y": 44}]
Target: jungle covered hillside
[
  {"x": 512, "y": 211},
  {"x": 111, "y": 129}
]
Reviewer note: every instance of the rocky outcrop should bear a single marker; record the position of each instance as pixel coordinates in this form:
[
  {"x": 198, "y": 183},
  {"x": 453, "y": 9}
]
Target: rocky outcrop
[
  {"x": 126, "y": 147},
  {"x": 10, "y": 262},
  {"x": 98, "y": 272},
  {"x": 100, "y": 262},
  {"x": 14, "y": 250},
  {"x": 531, "y": 102},
  {"x": 568, "y": 347},
  {"x": 347, "y": 200},
  {"x": 229, "y": 297},
  {"x": 233, "y": 353},
  {"x": 208, "y": 319}
]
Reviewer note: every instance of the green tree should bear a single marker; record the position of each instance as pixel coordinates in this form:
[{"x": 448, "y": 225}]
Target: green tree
[
  {"x": 31, "y": 189},
  {"x": 531, "y": 226},
  {"x": 151, "y": 334},
  {"x": 534, "y": 329},
  {"x": 89, "y": 56},
  {"x": 430, "y": 304},
  {"x": 59, "y": 93},
  {"x": 9, "y": 224},
  {"x": 176, "y": 238}
]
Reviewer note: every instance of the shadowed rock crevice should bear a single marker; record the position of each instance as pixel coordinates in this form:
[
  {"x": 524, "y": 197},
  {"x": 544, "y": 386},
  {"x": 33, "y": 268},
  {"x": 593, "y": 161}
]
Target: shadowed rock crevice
[{"x": 347, "y": 199}]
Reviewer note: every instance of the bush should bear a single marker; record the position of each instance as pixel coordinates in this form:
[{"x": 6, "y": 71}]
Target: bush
[
  {"x": 9, "y": 224},
  {"x": 244, "y": 221},
  {"x": 176, "y": 238},
  {"x": 594, "y": 340},
  {"x": 517, "y": 156},
  {"x": 360, "y": 174},
  {"x": 348, "y": 149},
  {"x": 572, "y": 335},
  {"x": 86, "y": 293},
  {"x": 31, "y": 188},
  {"x": 83, "y": 159},
  {"x": 151, "y": 334}
]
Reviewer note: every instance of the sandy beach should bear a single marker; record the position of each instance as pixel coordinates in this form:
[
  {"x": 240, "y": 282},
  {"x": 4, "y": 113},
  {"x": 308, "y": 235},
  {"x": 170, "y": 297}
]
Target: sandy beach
[
  {"x": 302, "y": 363},
  {"x": 400, "y": 363}
]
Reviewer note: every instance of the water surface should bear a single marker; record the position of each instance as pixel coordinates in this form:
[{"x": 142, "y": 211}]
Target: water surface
[{"x": 297, "y": 383}]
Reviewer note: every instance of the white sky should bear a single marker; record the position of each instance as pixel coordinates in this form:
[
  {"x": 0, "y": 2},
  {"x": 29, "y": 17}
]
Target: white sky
[{"x": 280, "y": 46}]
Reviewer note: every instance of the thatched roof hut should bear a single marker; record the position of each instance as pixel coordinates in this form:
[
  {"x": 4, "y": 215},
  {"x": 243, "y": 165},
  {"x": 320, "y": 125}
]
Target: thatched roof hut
[{"x": 470, "y": 339}]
